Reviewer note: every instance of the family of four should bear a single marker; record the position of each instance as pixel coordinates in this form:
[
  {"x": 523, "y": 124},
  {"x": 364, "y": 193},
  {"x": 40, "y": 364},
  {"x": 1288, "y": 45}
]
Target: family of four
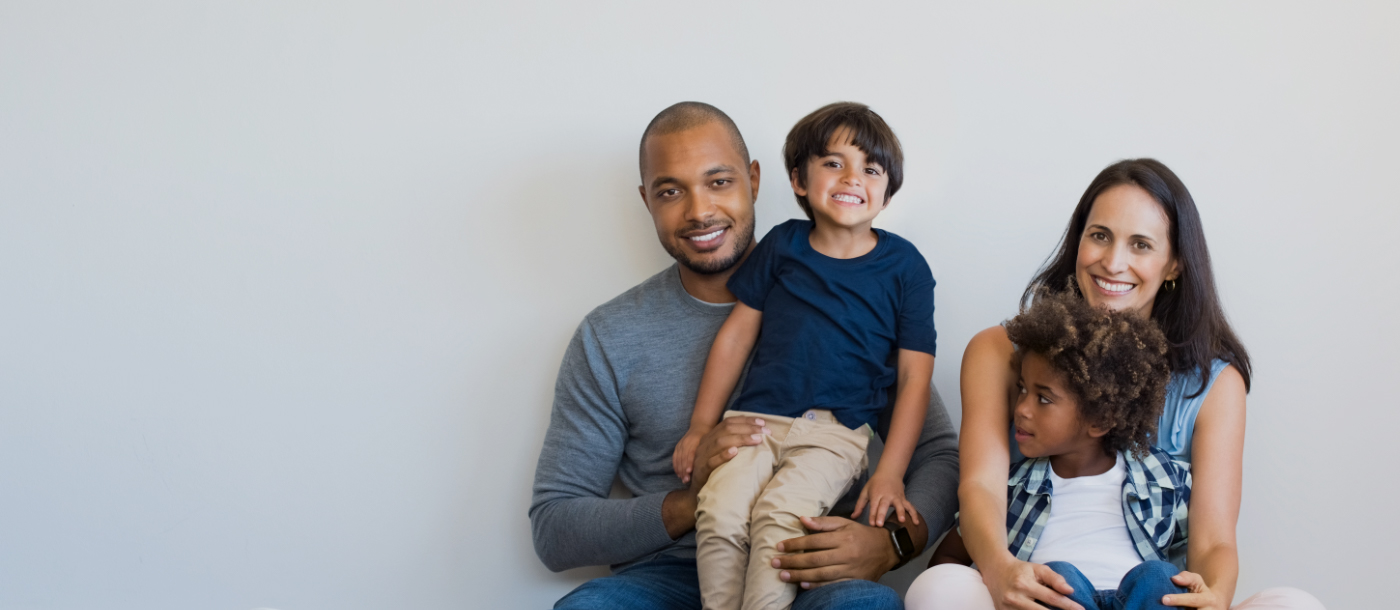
[{"x": 736, "y": 396}]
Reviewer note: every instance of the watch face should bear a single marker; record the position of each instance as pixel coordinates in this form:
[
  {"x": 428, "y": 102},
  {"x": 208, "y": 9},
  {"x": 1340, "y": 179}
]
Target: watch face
[{"x": 903, "y": 543}]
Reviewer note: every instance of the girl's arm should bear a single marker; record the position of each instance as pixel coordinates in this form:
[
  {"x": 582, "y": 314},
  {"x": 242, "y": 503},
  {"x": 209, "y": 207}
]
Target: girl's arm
[
  {"x": 886, "y": 485},
  {"x": 725, "y": 364},
  {"x": 988, "y": 382},
  {"x": 1217, "y": 454}
]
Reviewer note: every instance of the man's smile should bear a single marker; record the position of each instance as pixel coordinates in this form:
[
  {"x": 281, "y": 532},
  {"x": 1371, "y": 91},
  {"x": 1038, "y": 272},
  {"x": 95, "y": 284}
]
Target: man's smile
[{"x": 708, "y": 240}]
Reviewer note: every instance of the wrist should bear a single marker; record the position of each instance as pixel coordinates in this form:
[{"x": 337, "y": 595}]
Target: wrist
[{"x": 678, "y": 512}]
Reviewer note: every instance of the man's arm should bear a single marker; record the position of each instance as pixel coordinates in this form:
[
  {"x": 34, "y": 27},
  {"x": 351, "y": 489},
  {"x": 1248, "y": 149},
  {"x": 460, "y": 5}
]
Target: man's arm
[
  {"x": 574, "y": 521},
  {"x": 841, "y": 549}
]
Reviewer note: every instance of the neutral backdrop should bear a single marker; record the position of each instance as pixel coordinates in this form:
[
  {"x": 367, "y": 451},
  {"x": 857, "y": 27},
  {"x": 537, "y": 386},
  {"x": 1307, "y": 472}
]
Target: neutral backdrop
[{"x": 284, "y": 285}]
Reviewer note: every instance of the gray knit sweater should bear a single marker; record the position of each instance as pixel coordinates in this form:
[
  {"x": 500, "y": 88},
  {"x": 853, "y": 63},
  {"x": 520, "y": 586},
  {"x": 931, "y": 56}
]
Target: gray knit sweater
[{"x": 621, "y": 403}]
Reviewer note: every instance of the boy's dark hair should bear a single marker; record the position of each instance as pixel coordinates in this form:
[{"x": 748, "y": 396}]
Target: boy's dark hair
[
  {"x": 1114, "y": 362},
  {"x": 868, "y": 132}
]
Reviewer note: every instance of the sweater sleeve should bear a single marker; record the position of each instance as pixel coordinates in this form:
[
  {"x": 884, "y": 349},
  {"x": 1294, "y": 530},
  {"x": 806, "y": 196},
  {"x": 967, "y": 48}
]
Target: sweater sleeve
[
  {"x": 931, "y": 482},
  {"x": 574, "y": 522}
]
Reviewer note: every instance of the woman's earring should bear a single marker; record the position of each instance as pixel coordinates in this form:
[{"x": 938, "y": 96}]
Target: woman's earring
[{"x": 1171, "y": 285}]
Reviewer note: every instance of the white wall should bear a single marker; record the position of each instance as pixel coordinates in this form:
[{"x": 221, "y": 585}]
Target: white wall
[{"x": 284, "y": 285}]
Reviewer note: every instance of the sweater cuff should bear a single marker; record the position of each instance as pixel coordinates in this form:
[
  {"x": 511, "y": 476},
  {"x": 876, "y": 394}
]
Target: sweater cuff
[{"x": 647, "y": 514}]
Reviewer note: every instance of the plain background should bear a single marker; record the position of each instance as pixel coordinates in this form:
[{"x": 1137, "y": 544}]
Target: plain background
[{"x": 284, "y": 285}]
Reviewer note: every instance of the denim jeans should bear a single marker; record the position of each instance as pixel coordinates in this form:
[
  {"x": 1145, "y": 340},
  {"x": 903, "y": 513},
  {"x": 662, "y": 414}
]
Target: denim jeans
[
  {"x": 1142, "y": 587},
  {"x": 669, "y": 582}
]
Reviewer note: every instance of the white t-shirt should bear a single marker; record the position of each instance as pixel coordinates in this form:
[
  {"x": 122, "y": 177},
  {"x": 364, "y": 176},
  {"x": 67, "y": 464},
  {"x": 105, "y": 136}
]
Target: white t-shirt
[{"x": 1086, "y": 527}]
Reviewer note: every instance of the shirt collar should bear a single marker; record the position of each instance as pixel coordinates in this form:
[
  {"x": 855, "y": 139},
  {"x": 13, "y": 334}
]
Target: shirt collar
[{"x": 1033, "y": 475}]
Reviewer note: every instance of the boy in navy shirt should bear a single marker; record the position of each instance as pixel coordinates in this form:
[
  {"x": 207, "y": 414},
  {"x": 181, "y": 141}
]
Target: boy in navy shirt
[{"x": 836, "y": 312}]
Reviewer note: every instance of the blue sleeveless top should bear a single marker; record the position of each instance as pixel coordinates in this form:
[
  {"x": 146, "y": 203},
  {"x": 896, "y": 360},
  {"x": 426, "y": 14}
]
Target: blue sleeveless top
[{"x": 1178, "y": 422}]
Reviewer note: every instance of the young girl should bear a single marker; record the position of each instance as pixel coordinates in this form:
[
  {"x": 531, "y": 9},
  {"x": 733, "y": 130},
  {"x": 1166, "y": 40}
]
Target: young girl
[{"x": 835, "y": 313}]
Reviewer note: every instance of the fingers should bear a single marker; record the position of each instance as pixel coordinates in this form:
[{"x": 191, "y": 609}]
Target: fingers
[
  {"x": 814, "y": 576},
  {"x": 1190, "y": 580},
  {"x": 1054, "y": 599},
  {"x": 860, "y": 502},
  {"x": 1189, "y": 600},
  {"x": 805, "y": 561},
  {"x": 1052, "y": 579},
  {"x": 878, "y": 509},
  {"x": 824, "y": 524}
]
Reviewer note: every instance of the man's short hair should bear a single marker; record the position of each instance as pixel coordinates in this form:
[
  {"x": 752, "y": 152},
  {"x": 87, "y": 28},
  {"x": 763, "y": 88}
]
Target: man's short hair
[
  {"x": 687, "y": 115},
  {"x": 868, "y": 132}
]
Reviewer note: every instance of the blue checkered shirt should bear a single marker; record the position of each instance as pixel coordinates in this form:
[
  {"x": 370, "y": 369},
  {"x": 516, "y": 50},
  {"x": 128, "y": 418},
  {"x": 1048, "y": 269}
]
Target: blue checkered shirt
[{"x": 1156, "y": 492}]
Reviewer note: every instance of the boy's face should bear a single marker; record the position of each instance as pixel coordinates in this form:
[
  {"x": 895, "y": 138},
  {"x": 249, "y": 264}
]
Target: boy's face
[
  {"x": 1047, "y": 414},
  {"x": 844, "y": 188}
]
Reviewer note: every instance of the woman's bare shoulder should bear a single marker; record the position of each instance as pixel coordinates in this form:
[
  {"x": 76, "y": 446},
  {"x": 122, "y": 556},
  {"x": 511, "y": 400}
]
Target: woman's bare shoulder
[{"x": 990, "y": 343}]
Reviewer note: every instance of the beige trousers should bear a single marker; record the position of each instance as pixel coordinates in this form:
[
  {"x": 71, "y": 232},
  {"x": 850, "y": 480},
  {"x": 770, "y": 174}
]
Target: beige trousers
[{"x": 753, "y": 501}]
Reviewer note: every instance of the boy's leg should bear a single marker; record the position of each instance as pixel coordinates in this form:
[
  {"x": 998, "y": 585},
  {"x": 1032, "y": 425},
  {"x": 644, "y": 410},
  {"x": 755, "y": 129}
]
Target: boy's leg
[
  {"x": 1142, "y": 587},
  {"x": 817, "y": 462},
  {"x": 667, "y": 582},
  {"x": 1083, "y": 589},
  {"x": 722, "y": 517}
]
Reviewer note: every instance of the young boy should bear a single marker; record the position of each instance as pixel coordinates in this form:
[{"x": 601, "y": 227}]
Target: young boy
[
  {"x": 836, "y": 313},
  {"x": 1092, "y": 385}
]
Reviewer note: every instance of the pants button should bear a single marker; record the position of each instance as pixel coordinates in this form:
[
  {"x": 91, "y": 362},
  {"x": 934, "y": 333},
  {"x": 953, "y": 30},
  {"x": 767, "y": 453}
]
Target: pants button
[{"x": 810, "y": 415}]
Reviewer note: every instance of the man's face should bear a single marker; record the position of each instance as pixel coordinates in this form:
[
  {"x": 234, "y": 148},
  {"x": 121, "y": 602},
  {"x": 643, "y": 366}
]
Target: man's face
[{"x": 700, "y": 195}]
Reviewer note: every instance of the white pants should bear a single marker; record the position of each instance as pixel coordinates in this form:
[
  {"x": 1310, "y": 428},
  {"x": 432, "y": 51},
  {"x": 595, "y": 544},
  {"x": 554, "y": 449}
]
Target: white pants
[{"x": 953, "y": 587}]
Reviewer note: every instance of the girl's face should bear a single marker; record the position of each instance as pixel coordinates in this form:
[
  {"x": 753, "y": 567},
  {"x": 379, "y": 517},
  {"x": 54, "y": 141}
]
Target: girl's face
[{"x": 1125, "y": 253}]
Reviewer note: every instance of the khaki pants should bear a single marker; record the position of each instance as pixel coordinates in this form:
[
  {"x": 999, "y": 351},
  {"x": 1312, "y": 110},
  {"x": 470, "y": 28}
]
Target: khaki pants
[{"x": 753, "y": 502}]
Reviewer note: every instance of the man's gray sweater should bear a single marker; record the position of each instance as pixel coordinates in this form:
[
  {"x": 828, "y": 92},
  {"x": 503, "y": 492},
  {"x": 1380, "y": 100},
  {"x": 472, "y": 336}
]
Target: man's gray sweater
[{"x": 623, "y": 400}]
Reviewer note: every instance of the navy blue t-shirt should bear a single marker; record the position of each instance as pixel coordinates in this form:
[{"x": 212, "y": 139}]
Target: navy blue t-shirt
[{"x": 832, "y": 328}]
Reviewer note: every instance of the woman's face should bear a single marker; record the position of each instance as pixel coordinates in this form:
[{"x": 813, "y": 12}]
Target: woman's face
[{"x": 1125, "y": 253}]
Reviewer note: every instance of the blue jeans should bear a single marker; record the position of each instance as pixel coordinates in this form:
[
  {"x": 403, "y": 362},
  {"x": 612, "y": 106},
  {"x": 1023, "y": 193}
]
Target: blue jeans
[
  {"x": 669, "y": 582},
  {"x": 1142, "y": 587}
]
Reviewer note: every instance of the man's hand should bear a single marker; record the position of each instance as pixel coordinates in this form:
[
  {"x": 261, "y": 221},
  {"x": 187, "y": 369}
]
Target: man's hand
[
  {"x": 718, "y": 446},
  {"x": 839, "y": 549},
  {"x": 1019, "y": 585}
]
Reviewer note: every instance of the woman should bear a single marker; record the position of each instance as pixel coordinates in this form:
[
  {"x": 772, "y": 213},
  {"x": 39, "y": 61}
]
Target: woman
[{"x": 1134, "y": 243}]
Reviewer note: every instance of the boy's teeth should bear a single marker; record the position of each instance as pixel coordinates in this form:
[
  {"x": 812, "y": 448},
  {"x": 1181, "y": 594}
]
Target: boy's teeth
[
  {"x": 848, "y": 198},
  {"x": 1112, "y": 286},
  {"x": 707, "y": 236}
]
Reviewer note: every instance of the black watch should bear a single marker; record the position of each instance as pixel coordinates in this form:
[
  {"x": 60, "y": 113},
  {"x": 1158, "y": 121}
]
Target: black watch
[{"x": 903, "y": 543}]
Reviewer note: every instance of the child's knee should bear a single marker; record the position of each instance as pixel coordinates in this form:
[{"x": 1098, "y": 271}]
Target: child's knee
[{"x": 1153, "y": 570}]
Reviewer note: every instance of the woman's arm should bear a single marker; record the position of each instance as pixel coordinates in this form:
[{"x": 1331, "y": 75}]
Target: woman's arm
[
  {"x": 886, "y": 485},
  {"x": 1217, "y": 455},
  {"x": 988, "y": 382},
  {"x": 723, "y": 368}
]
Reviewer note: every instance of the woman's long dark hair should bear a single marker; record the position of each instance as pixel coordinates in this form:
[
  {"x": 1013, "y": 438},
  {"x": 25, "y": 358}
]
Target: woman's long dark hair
[{"x": 1190, "y": 314}]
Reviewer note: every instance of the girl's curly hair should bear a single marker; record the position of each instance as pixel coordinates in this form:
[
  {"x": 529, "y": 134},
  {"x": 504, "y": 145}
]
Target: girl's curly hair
[{"x": 1115, "y": 363}]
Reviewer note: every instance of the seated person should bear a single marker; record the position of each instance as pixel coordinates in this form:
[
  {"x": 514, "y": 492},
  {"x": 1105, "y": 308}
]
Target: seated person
[{"x": 1092, "y": 384}]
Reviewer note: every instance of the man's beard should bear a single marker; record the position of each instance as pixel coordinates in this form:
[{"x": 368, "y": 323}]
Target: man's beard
[{"x": 743, "y": 238}]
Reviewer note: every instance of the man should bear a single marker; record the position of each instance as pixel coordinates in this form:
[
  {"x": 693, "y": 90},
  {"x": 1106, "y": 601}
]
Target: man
[{"x": 624, "y": 397}]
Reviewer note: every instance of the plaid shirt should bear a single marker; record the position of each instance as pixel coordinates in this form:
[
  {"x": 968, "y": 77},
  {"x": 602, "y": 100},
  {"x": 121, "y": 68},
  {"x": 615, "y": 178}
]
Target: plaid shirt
[{"x": 1156, "y": 492}]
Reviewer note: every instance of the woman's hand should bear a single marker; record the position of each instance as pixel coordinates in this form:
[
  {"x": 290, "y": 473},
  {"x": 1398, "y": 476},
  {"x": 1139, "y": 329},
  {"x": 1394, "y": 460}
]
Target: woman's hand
[
  {"x": 882, "y": 492},
  {"x": 1200, "y": 595},
  {"x": 1020, "y": 584}
]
